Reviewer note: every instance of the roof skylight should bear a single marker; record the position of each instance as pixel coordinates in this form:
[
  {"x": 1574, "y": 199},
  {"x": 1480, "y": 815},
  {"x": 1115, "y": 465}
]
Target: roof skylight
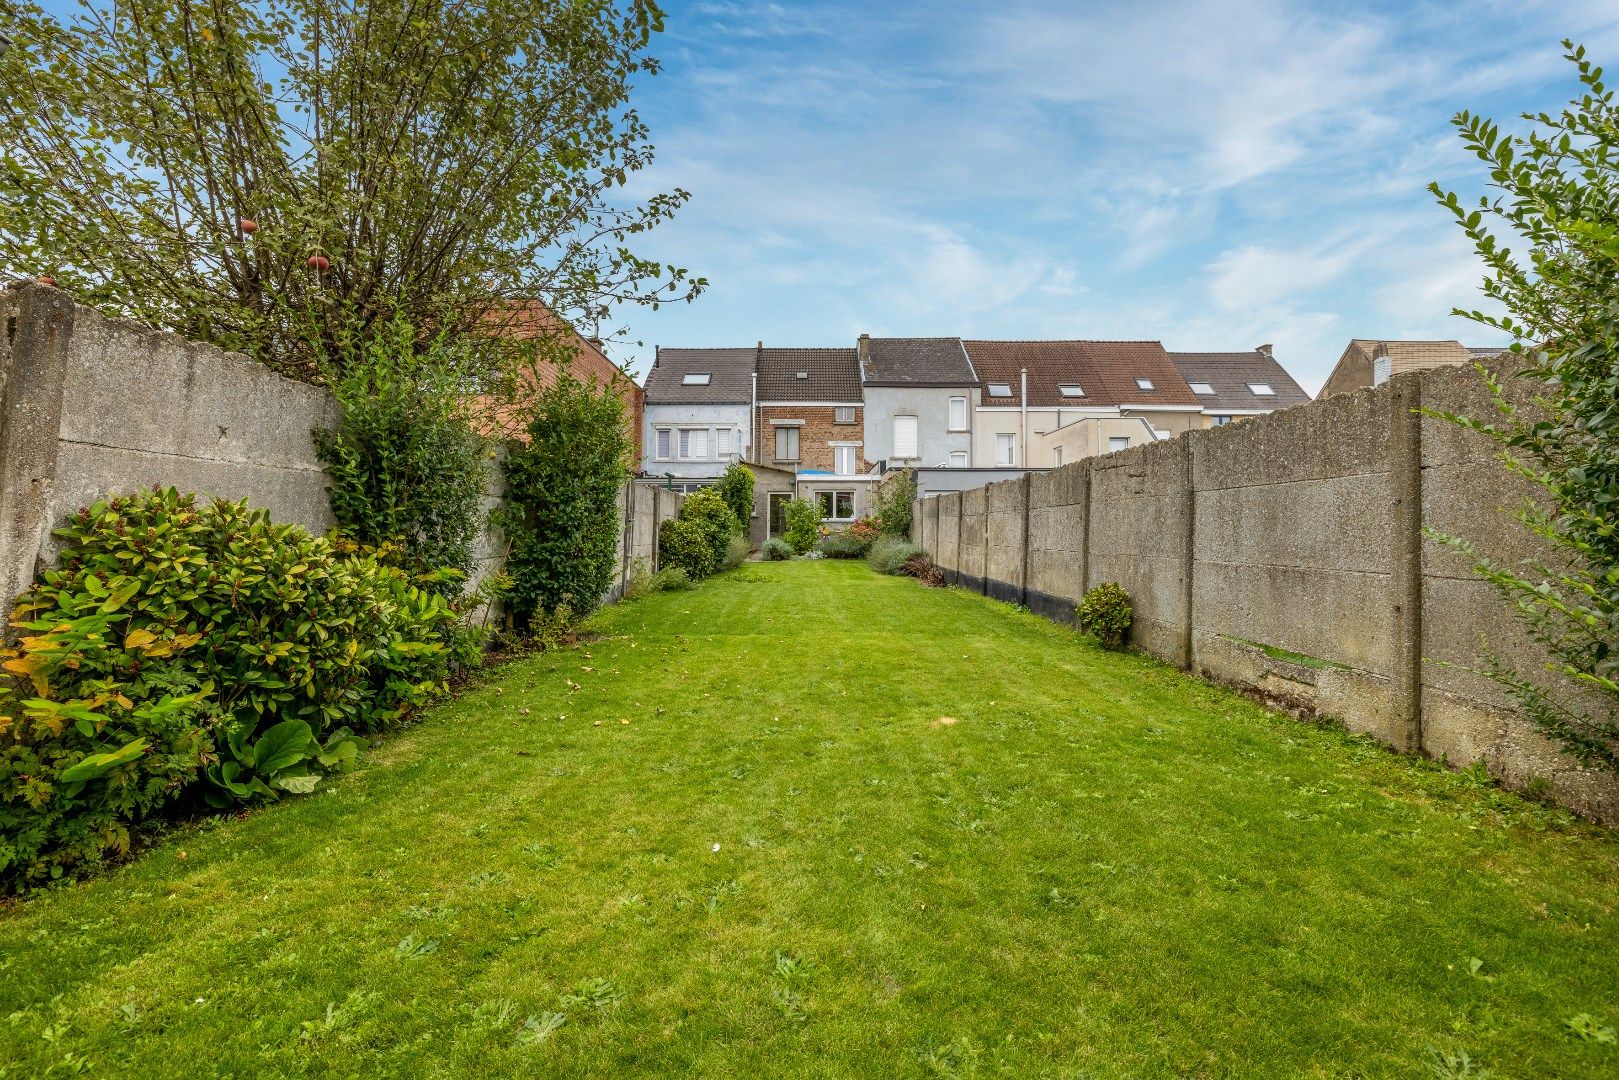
[{"x": 696, "y": 378}]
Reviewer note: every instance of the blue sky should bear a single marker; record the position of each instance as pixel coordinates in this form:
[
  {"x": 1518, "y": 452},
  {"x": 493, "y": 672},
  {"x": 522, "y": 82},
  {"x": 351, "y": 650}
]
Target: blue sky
[{"x": 1212, "y": 175}]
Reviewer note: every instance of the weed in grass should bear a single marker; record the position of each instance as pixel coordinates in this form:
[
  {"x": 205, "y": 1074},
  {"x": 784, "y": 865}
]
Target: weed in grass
[
  {"x": 539, "y": 1028},
  {"x": 1455, "y": 1065},
  {"x": 410, "y": 947},
  {"x": 592, "y": 994},
  {"x": 1585, "y": 1028}
]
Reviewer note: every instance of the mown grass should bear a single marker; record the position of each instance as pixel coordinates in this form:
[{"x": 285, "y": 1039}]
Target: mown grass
[{"x": 852, "y": 827}]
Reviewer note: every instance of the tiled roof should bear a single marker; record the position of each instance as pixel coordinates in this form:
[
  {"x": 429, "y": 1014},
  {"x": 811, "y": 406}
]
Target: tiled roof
[
  {"x": 830, "y": 375},
  {"x": 1231, "y": 374},
  {"x": 730, "y": 374},
  {"x": 1105, "y": 370},
  {"x": 1486, "y": 352},
  {"x": 917, "y": 362}
]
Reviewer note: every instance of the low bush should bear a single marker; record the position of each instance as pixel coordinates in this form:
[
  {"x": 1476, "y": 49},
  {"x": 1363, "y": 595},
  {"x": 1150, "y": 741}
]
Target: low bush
[
  {"x": 671, "y": 579},
  {"x": 840, "y": 545},
  {"x": 777, "y": 550},
  {"x": 167, "y": 646},
  {"x": 737, "y": 550},
  {"x": 923, "y": 569},
  {"x": 1105, "y": 614},
  {"x": 685, "y": 544},
  {"x": 890, "y": 554},
  {"x": 803, "y": 525}
]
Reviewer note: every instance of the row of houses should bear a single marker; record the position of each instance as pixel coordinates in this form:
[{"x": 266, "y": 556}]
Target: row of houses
[{"x": 828, "y": 423}]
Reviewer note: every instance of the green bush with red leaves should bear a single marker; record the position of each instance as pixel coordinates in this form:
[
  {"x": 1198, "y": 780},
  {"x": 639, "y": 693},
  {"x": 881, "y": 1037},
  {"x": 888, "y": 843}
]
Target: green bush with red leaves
[{"x": 182, "y": 655}]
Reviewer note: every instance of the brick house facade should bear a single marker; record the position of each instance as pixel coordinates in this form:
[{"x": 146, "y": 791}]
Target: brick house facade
[{"x": 819, "y": 434}]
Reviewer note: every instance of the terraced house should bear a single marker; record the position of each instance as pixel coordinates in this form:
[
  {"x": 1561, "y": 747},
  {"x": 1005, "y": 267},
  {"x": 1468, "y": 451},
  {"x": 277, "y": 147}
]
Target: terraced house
[
  {"x": 698, "y": 415},
  {"x": 809, "y": 418}
]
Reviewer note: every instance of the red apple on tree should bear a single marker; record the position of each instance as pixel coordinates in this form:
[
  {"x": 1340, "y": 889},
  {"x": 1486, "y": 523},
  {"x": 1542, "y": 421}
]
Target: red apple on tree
[
  {"x": 249, "y": 226},
  {"x": 319, "y": 262}
]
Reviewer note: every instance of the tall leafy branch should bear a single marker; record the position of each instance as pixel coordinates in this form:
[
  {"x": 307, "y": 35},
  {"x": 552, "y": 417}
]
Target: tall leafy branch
[{"x": 1557, "y": 423}]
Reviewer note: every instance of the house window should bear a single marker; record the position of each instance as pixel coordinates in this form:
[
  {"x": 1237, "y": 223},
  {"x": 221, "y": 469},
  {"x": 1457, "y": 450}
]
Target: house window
[
  {"x": 843, "y": 414},
  {"x": 800, "y": 374},
  {"x": 786, "y": 444},
  {"x": 1071, "y": 390},
  {"x": 696, "y": 378},
  {"x": 958, "y": 459},
  {"x": 1118, "y": 442},
  {"x": 1005, "y": 448},
  {"x": 1220, "y": 421},
  {"x": 1202, "y": 388},
  {"x": 722, "y": 442},
  {"x": 664, "y": 445},
  {"x": 905, "y": 437},
  {"x": 1144, "y": 384},
  {"x": 843, "y": 457},
  {"x": 836, "y": 505},
  {"x": 693, "y": 443},
  {"x": 958, "y": 414},
  {"x": 1261, "y": 389},
  {"x": 1000, "y": 389},
  {"x": 1056, "y": 455}
]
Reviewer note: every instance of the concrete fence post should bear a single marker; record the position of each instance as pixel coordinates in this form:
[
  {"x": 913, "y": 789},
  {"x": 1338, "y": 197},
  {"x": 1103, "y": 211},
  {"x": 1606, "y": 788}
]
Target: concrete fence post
[
  {"x": 38, "y": 323},
  {"x": 1085, "y": 529},
  {"x": 1405, "y": 578},
  {"x": 1023, "y": 561},
  {"x": 1188, "y": 537},
  {"x": 983, "y": 579}
]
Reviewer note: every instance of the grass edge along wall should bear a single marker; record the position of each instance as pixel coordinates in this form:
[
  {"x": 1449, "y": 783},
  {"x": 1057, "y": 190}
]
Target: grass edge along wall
[{"x": 1289, "y": 554}]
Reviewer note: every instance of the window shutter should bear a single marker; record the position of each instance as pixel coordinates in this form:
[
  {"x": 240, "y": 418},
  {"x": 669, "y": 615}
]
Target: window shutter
[
  {"x": 905, "y": 437},
  {"x": 663, "y": 442},
  {"x": 699, "y": 443}
]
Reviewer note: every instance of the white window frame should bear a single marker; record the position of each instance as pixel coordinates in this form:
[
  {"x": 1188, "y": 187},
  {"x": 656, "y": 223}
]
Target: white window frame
[
  {"x": 696, "y": 378},
  {"x": 833, "y": 494},
  {"x": 1202, "y": 388},
  {"x": 843, "y": 414},
  {"x": 958, "y": 459},
  {"x": 663, "y": 444},
  {"x": 722, "y": 442},
  {"x": 693, "y": 444},
  {"x": 838, "y": 454},
  {"x": 1071, "y": 390},
  {"x": 1145, "y": 384},
  {"x": 1056, "y": 456},
  {"x": 907, "y": 445},
  {"x": 1259, "y": 389},
  {"x": 1220, "y": 420},
  {"x": 998, "y": 390},
  {"x": 1007, "y": 441},
  {"x": 1113, "y": 442},
  {"x": 958, "y": 414}
]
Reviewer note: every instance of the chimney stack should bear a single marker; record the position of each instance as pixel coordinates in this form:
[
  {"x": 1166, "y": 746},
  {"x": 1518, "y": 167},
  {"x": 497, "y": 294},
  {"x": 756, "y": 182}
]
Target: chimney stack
[
  {"x": 863, "y": 350},
  {"x": 1264, "y": 349}
]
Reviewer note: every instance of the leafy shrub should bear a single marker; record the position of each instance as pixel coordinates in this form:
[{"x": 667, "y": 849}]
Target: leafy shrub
[
  {"x": 896, "y": 503},
  {"x": 803, "y": 525},
  {"x": 1105, "y": 614},
  {"x": 737, "y": 550},
  {"x": 561, "y": 514},
  {"x": 890, "y": 554},
  {"x": 735, "y": 486},
  {"x": 710, "y": 513},
  {"x": 406, "y": 471},
  {"x": 685, "y": 544},
  {"x": 840, "y": 545},
  {"x": 777, "y": 550},
  {"x": 172, "y": 634},
  {"x": 671, "y": 579}
]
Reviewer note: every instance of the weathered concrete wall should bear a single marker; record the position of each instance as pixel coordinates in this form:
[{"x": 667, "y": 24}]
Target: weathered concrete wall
[
  {"x": 1288, "y": 554},
  {"x": 92, "y": 406}
]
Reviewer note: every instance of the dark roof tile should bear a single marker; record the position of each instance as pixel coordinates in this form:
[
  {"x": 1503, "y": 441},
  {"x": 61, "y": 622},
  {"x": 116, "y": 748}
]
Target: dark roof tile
[
  {"x": 730, "y": 374},
  {"x": 830, "y": 375},
  {"x": 1105, "y": 370},
  {"x": 917, "y": 362},
  {"x": 1229, "y": 376}
]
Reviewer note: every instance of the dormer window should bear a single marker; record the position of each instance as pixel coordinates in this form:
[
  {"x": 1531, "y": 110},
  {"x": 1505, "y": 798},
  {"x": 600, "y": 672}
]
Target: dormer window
[
  {"x": 696, "y": 378},
  {"x": 1071, "y": 390},
  {"x": 1202, "y": 388},
  {"x": 1145, "y": 384},
  {"x": 1261, "y": 389},
  {"x": 1000, "y": 389}
]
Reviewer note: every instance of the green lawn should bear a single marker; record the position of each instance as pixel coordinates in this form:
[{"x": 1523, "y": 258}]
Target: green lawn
[{"x": 852, "y": 827}]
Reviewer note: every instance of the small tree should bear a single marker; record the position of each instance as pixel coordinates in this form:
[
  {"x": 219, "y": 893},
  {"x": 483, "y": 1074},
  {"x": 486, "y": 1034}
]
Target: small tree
[
  {"x": 561, "y": 515},
  {"x": 803, "y": 525},
  {"x": 267, "y": 175},
  {"x": 896, "y": 503},
  {"x": 736, "y": 488},
  {"x": 405, "y": 468},
  {"x": 1559, "y": 193}
]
